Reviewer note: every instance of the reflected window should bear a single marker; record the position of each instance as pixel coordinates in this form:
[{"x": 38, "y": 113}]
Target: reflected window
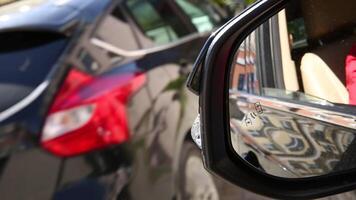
[
  {"x": 202, "y": 13},
  {"x": 244, "y": 70},
  {"x": 156, "y": 20}
]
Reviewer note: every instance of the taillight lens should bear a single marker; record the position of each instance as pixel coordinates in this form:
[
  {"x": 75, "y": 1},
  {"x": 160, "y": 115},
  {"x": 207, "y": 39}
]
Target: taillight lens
[
  {"x": 89, "y": 113},
  {"x": 65, "y": 121}
]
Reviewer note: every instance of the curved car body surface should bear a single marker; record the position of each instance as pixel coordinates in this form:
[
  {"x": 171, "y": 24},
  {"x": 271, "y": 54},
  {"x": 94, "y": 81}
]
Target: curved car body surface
[{"x": 93, "y": 107}]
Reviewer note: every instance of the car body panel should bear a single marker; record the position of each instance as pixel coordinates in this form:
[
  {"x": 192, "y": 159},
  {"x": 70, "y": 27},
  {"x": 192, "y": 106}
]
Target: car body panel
[{"x": 159, "y": 115}]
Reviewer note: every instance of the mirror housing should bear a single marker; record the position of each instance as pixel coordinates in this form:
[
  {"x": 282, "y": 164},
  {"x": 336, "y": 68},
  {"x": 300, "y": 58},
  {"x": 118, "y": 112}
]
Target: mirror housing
[{"x": 210, "y": 82}]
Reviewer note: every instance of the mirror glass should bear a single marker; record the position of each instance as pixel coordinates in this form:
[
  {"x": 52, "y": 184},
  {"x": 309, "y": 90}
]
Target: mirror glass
[{"x": 292, "y": 91}]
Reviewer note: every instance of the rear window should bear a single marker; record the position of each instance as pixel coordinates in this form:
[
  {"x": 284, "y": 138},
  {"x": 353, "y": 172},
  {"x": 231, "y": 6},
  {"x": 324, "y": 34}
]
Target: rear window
[{"x": 25, "y": 60}]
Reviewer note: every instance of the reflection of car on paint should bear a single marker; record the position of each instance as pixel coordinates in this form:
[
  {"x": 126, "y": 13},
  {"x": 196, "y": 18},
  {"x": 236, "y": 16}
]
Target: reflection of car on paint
[{"x": 93, "y": 103}]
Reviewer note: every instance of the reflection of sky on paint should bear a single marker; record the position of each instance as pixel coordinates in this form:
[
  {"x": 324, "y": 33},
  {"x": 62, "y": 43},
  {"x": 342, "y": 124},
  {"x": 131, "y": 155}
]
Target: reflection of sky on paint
[
  {"x": 18, "y": 7},
  {"x": 18, "y": 12}
]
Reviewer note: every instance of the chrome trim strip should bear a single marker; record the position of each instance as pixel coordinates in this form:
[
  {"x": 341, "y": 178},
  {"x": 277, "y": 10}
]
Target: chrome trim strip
[
  {"x": 332, "y": 117},
  {"x": 142, "y": 52},
  {"x": 24, "y": 102}
]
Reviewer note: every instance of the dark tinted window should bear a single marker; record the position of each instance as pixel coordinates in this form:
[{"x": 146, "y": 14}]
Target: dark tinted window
[{"x": 26, "y": 59}]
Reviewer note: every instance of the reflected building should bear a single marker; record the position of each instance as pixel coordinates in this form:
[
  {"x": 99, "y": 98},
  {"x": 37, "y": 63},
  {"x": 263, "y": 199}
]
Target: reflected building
[{"x": 244, "y": 71}]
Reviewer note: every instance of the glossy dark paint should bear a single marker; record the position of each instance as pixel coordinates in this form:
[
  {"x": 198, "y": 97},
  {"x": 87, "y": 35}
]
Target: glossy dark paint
[
  {"x": 219, "y": 157},
  {"x": 160, "y": 116},
  {"x": 53, "y": 15}
]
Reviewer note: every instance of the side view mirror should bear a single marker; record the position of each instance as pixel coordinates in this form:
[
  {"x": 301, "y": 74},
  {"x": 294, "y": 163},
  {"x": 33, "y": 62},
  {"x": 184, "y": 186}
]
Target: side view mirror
[{"x": 277, "y": 88}]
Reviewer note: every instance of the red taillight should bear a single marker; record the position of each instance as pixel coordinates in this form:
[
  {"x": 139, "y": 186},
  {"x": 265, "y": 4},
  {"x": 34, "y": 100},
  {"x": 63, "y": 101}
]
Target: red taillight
[{"x": 89, "y": 113}]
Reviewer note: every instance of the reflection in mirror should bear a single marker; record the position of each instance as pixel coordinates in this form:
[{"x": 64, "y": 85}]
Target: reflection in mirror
[{"x": 292, "y": 91}]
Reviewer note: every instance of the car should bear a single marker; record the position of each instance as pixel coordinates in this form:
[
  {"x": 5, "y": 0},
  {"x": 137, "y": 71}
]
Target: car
[
  {"x": 276, "y": 87},
  {"x": 93, "y": 101}
]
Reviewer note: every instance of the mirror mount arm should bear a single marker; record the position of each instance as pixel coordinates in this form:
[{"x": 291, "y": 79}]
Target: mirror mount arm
[{"x": 194, "y": 78}]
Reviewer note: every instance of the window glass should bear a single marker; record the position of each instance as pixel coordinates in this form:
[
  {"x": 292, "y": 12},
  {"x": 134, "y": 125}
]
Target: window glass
[
  {"x": 244, "y": 72},
  {"x": 156, "y": 20},
  {"x": 318, "y": 47},
  {"x": 203, "y": 14},
  {"x": 151, "y": 22},
  {"x": 298, "y": 36},
  {"x": 148, "y": 23},
  {"x": 322, "y": 36}
]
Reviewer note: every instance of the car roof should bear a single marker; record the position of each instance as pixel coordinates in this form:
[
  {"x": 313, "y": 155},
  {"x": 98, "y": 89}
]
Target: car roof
[{"x": 50, "y": 15}]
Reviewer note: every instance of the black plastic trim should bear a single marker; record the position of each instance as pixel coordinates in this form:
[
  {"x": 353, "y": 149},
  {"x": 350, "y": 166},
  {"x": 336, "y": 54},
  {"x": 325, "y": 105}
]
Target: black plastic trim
[{"x": 194, "y": 78}]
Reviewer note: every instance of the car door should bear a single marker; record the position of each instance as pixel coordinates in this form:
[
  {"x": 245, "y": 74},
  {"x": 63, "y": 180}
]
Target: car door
[
  {"x": 166, "y": 121},
  {"x": 160, "y": 112}
]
